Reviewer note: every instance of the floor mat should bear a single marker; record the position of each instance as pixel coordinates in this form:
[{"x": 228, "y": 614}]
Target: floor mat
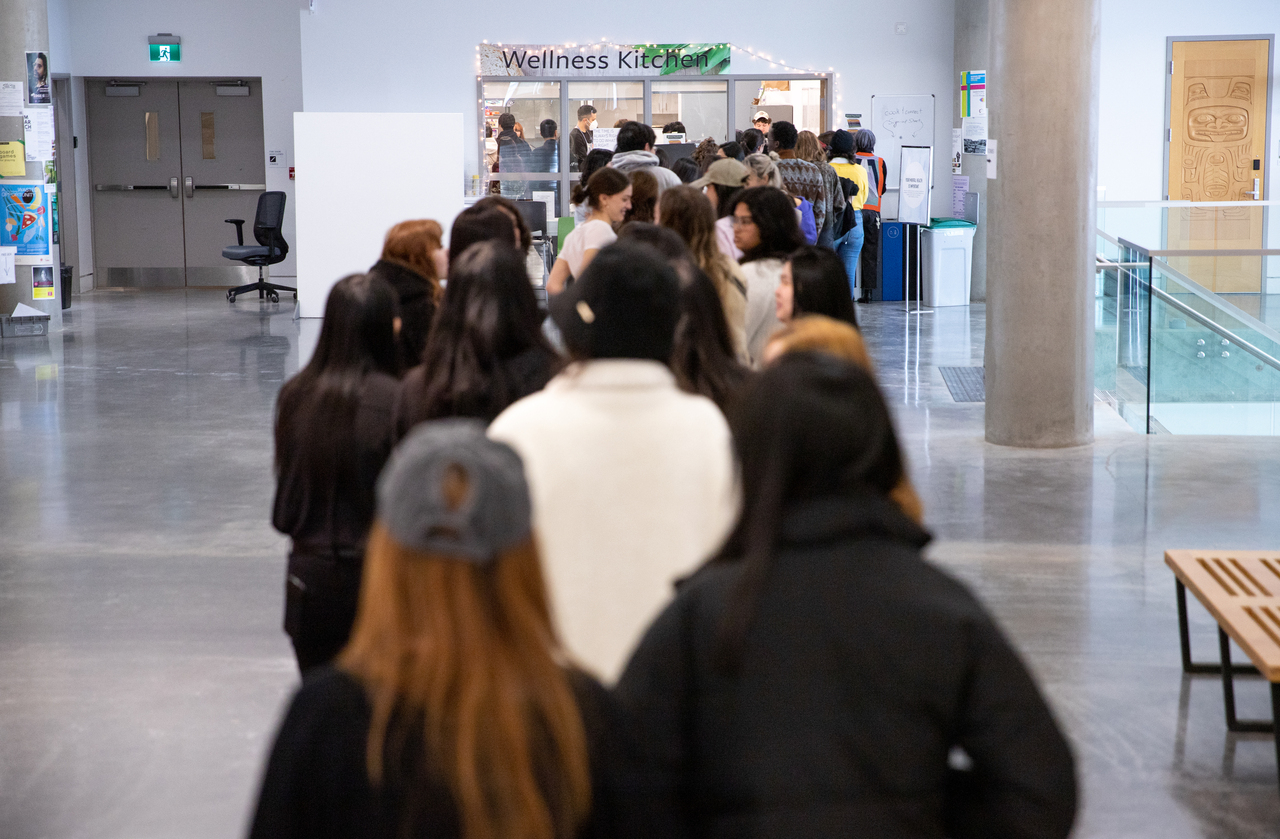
[{"x": 967, "y": 384}]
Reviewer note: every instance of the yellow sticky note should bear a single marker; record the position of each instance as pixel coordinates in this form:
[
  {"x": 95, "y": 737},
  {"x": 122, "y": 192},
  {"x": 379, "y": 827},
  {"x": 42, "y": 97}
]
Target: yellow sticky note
[{"x": 13, "y": 160}]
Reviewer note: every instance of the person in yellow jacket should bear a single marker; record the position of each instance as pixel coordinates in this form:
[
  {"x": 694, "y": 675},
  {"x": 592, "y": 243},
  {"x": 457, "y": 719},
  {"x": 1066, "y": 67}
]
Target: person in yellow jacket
[{"x": 849, "y": 246}]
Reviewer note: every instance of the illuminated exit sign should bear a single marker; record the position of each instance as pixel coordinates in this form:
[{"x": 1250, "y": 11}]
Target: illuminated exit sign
[{"x": 166, "y": 52}]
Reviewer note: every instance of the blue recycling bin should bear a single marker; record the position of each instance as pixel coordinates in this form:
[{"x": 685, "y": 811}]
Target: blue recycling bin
[{"x": 893, "y": 259}]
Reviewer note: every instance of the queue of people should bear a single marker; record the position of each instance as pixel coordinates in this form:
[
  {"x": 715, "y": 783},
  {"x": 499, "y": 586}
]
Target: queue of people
[{"x": 659, "y": 576}]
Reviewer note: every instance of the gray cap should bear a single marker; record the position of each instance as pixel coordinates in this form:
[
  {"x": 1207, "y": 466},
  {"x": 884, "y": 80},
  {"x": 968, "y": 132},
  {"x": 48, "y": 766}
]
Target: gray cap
[
  {"x": 724, "y": 172},
  {"x": 490, "y": 511}
]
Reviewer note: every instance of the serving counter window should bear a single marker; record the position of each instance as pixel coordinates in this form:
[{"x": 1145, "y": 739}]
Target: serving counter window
[
  {"x": 703, "y": 107},
  {"x": 530, "y": 96}
]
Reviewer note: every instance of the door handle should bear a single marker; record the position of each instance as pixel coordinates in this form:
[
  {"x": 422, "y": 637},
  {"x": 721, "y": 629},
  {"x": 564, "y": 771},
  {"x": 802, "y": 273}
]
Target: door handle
[
  {"x": 173, "y": 187},
  {"x": 190, "y": 185},
  {"x": 1256, "y": 191},
  {"x": 127, "y": 187},
  {"x": 231, "y": 186}
]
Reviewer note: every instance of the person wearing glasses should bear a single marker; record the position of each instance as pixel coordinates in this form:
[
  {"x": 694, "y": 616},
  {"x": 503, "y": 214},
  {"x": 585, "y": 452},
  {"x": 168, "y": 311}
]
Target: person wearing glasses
[{"x": 765, "y": 229}]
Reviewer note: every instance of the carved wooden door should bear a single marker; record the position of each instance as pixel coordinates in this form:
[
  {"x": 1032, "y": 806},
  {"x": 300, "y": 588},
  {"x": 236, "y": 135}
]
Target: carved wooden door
[{"x": 1217, "y": 152}]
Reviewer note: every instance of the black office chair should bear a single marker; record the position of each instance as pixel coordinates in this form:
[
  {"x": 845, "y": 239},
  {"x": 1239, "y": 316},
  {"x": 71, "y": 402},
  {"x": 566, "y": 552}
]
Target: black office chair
[
  {"x": 535, "y": 215},
  {"x": 271, "y": 247}
]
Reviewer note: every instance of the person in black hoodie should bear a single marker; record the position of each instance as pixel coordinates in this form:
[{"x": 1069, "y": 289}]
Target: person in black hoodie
[
  {"x": 333, "y": 434},
  {"x": 413, "y": 261},
  {"x": 819, "y": 678},
  {"x": 486, "y": 348}
]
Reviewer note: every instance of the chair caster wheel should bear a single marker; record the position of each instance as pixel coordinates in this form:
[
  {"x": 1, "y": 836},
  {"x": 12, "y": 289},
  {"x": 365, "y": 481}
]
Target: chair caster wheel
[
  {"x": 273, "y": 297},
  {"x": 231, "y": 297}
]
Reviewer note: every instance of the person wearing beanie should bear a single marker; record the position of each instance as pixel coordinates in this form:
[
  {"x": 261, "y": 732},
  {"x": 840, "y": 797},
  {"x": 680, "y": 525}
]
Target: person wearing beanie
[
  {"x": 854, "y": 183},
  {"x": 632, "y": 480},
  {"x": 451, "y": 712},
  {"x": 864, "y": 142}
]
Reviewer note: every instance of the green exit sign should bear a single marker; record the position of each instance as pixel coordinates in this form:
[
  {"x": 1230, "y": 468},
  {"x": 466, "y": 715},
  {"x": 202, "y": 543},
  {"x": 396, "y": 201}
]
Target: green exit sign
[{"x": 166, "y": 52}]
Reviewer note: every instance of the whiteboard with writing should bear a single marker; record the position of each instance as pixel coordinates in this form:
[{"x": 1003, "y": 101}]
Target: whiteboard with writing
[{"x": 900, "y": 120}]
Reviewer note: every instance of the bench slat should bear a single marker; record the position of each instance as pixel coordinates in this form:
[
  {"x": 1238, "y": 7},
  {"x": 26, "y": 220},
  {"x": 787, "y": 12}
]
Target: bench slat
[{"x": 1241, "y": 589}]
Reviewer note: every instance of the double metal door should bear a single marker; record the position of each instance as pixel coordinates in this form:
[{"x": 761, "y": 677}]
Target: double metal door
[{"x": 169, "y": 161}]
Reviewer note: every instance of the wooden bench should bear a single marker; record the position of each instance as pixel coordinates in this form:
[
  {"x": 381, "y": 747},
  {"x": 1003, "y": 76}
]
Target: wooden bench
[{"x": 1241, "y": 589}]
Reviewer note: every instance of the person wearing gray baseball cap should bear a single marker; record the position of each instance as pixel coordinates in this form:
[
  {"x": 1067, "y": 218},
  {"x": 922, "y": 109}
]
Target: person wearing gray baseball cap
[
  {"x": 451, "y": 712},
  {"x": 722, "y": 183}
]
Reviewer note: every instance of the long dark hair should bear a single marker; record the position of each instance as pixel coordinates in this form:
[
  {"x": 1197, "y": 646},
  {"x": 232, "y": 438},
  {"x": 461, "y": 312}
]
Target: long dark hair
[
  {"x": 488, "y": 315},
  {"x": 809, "y": 426},
  {"x": 820, "y": 285},
  {"x": 774, "y": 215},
  {"x": 509, "y": 207},
  {"x": 752, "y": 141},
  {"x": 702, "y": 356},
  {"x": 479, "y": 224},
  {"x": 595, "y": 159},
  {"x": 316, "y": 410}
]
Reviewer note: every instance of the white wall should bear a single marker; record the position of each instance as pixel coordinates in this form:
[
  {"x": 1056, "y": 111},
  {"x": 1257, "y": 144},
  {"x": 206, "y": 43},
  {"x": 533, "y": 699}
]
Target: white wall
[
  {"x": 228, "y": 38},
  {"x": 407, "y": 55},
  {"x": 1131, "y": 107},
  {"x": 342, "y": 220}
]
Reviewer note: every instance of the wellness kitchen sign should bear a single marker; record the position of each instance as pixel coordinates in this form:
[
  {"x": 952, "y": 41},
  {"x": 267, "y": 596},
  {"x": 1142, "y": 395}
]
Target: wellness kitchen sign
[{"x": 604, "y": 60}]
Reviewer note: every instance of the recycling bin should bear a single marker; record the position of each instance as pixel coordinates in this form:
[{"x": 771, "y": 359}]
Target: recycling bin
[{"x": 946, "y": 261}]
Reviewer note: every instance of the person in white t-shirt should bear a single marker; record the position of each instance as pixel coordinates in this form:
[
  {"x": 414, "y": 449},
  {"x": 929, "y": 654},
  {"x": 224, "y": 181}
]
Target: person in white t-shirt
[{"x": 609, "y": 197}]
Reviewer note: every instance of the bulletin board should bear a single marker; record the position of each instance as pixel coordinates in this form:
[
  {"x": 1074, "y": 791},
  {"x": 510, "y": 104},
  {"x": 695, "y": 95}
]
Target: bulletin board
[{"x": 900, "y": 120}]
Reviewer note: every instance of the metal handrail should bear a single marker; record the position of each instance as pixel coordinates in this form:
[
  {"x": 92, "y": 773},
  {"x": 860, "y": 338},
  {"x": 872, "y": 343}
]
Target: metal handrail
[
  {"x": 1170, "y": 300},
  {"x": 1222, "y": 331}
]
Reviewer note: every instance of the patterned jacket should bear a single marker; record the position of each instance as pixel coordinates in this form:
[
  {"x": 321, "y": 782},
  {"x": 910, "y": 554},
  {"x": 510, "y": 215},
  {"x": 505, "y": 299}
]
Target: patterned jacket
[{"x": 806, "y": 180}]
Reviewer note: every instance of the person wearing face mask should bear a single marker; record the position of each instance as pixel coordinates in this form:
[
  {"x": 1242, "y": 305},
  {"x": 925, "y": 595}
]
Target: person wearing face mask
[
  {"x": 609, "y": 196},
  {"x": 581, "y": 136}
]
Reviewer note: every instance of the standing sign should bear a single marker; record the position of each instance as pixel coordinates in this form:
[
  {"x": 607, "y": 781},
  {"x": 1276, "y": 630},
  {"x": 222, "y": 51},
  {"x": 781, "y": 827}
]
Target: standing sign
[{"x": 913, "y": 193}]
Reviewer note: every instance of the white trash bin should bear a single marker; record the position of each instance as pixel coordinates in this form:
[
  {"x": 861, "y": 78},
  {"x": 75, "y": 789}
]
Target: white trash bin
[{"x": 946, "y": 260}]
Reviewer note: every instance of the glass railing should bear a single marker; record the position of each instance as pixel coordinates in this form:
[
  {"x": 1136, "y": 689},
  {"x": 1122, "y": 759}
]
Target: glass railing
[{"x": 1173, "y": 356}]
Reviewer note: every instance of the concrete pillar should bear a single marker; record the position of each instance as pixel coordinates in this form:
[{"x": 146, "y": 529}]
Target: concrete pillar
[
  {"x": 24, "y": 26},
  {"x": 972, "y": 52},
  {"x": 1043, "y": 96}
]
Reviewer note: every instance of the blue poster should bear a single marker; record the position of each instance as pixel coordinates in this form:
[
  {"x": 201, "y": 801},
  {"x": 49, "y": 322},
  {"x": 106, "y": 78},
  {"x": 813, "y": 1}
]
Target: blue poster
[{"x": 26, "y": 222}]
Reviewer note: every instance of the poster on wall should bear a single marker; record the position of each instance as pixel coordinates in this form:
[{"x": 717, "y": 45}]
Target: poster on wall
[
  {"x": 37, "y": 128},
  {"x": 605, "y": 60},
  {"x": 38, "y": 79},
  {"x": 975, "y": 135},
  {"x": 26, "y": 223},
  {"x": 913, "y": 194},
  {"x": 42, "y": 283},
  {"x": 957, "y": 149},
  {"x": 973, "y": 93},
  {"x": 10, "y": 99}
]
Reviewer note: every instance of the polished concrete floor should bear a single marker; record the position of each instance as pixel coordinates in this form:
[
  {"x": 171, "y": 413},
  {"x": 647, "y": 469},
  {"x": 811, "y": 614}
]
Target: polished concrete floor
[{"x": 142, "y": 668}]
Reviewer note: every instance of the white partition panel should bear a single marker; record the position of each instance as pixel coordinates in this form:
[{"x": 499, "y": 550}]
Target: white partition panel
[{"x": 358, "y": 174}]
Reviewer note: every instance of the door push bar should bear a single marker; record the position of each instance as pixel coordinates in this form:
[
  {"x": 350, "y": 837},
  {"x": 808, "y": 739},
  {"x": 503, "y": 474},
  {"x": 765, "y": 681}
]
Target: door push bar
[
  {"x": 231, "y": 186},
  {"x": 188, "y": 183},
  {"x": 172, "y": 187}
]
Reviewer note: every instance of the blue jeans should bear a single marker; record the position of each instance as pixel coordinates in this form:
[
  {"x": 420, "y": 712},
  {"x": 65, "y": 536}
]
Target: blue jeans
[{"x": 849, "y": 248}]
